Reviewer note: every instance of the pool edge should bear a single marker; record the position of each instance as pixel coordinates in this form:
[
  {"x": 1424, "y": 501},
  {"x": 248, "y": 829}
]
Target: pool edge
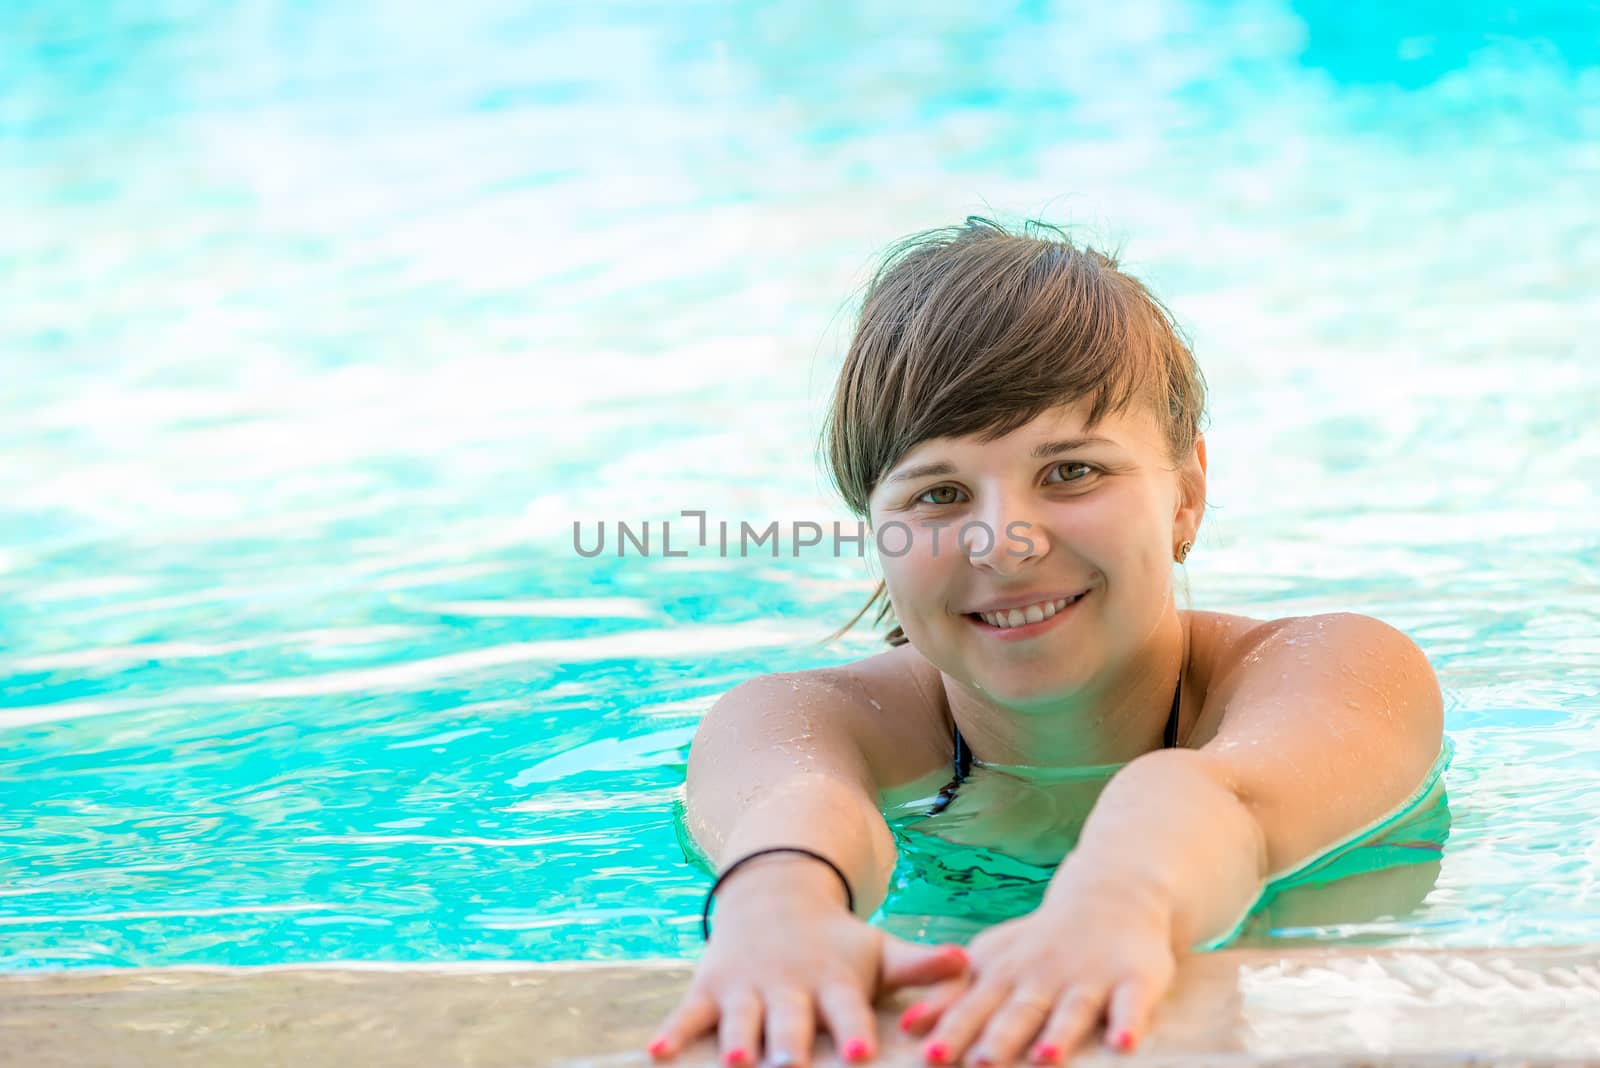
[{"x": 1338, "y": 1006}]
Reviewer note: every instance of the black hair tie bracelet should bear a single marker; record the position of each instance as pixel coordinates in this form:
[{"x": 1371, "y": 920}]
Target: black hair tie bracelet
[{"x": 705, "y": 912}]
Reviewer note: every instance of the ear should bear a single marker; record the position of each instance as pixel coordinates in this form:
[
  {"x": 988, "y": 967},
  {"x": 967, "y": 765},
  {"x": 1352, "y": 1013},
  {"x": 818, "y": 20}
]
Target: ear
[{"x": 1191, "y": 493}]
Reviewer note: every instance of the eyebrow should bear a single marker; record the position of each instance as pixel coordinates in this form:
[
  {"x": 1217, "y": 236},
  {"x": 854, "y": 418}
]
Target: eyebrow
[{"x": 1042, "y": 451}]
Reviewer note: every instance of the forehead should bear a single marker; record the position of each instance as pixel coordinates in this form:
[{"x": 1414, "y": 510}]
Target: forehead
[{"x": 1133, "y": 430}]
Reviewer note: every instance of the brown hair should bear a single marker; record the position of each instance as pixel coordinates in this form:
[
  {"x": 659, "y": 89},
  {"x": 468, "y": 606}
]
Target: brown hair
[{"x": 976, "y": 329}]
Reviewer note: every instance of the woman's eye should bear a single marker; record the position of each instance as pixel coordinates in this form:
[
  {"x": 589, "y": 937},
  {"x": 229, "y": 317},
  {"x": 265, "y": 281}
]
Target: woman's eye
[
  {"x": 952, "y": 494},
  {"x": 1058, "y": 468},
  {"x": 945, "y": 495}
]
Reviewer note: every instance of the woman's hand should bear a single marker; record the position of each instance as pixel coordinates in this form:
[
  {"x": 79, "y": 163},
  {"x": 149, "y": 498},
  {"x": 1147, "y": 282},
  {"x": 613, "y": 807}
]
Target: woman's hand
[
  {"x": 1041, "y": 983},
  {"x": 778, "y": 960}
]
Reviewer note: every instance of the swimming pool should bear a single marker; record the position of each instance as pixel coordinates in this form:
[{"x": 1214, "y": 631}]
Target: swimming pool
[{"x": 321, "y": 324}]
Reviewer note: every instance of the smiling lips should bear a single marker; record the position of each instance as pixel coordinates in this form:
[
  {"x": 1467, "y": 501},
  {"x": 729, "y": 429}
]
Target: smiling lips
[{"x": 1021, "y": 617}]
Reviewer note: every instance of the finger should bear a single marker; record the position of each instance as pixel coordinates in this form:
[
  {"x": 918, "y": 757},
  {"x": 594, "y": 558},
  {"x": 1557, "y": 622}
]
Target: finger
[
  {"x": 851, "y": 1021},
  {"x": 739, "y": 1030},
  {"x": 695, "y": 1015},
  {"x": 1128, "y": 1018},
  {"x": 909, "y": 964},
  {"x": 1012, "y": 1027},
  {"x": 1074, "y": 1017},
  {"x": 791, "y": 1024},
  {"x": 920, "y": 1018},
  {"x": 961, "y": 1022}
]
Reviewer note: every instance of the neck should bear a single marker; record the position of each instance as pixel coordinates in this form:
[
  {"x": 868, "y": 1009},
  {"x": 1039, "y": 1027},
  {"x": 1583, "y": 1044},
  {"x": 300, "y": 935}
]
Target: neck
[{"x": 1112, "y": 720}]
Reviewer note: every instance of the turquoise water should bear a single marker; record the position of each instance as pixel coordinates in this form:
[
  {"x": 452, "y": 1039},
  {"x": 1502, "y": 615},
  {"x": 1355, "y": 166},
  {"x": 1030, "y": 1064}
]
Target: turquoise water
[{"x": 321, "y": 324}]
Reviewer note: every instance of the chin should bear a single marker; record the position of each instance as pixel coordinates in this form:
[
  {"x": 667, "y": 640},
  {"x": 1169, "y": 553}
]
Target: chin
[{"x": 1022, "y": 686}]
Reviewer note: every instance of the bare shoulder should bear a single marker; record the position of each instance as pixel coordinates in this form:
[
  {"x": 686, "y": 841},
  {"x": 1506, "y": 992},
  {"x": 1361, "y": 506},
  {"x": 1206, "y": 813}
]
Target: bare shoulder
[
  {"x": 898, "y": 712},
  {"x": 1237, "y": 654},
  {"x": 1228, "y": 640}
]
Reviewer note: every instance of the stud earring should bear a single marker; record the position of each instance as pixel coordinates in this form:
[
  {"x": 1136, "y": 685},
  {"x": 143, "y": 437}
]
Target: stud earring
[{"x": 1183, "y": 551}]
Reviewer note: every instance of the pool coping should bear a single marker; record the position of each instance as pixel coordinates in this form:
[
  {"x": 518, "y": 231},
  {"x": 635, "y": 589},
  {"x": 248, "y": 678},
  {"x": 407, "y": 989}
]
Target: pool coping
[{"x": 1329, "y": 1006}]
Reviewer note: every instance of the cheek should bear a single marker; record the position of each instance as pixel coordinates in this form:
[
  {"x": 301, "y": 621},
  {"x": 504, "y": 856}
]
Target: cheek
[
  {"x": 1124, "y": 540},
  {"x": 915, "y": 570},
  {"x": 1145, "y": 563},
  {"x": 919, "y": 577},
  {"x": 1098, "y": 538}
]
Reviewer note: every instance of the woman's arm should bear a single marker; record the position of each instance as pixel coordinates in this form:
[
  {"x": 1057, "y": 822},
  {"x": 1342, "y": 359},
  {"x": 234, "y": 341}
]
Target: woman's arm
[
  {"x": 776, "y": 761},
  {"x": 1323, "y": 726},
  {"x": 1319, "y": 727},
  {"x": 794, "y": 760}
]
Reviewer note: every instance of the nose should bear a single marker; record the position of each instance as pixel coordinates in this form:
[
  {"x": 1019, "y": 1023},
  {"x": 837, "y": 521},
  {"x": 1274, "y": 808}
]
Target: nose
[{"x": 1001, "y": 536}]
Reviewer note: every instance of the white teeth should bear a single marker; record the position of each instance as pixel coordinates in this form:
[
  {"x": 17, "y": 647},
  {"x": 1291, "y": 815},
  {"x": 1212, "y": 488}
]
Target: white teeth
[{"x": 1033, "y": 613}]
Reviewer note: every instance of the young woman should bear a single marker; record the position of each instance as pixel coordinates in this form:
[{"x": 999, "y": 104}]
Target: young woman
[{"x": 1020, "y": 422}]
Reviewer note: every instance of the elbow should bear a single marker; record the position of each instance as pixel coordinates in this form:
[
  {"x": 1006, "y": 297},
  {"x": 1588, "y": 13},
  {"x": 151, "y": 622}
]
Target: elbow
[
  {"x": 1236, "y": 810},
  {"x": 1211, "y": 790},
  {"x": 1252, "y": 828}
]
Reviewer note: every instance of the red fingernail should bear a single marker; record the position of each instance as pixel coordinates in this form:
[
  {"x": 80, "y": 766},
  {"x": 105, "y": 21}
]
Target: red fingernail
[
  {"x": 909, "y": 1018},
  {"x": 1047, "y": 1054},
  {"x": 1125, "y": 1041},
  {"x": 936, "y": 1053},
  {"x": 957, "y": 954},
  {"x": 658, "y": 1048},
  {"x": 856, "y": 1050},
  {"x": 735, "y": 1058}
]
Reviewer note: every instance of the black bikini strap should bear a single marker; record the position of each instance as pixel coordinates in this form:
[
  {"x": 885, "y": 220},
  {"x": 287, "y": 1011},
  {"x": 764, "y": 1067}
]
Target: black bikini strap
[
  {"x": 963, "y": 767},
  {"x": 1170, "y": 738}
]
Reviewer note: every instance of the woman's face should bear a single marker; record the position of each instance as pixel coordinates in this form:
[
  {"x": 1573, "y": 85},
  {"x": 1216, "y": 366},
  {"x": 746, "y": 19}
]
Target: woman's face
[{"x": 1050, "y": 512}]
